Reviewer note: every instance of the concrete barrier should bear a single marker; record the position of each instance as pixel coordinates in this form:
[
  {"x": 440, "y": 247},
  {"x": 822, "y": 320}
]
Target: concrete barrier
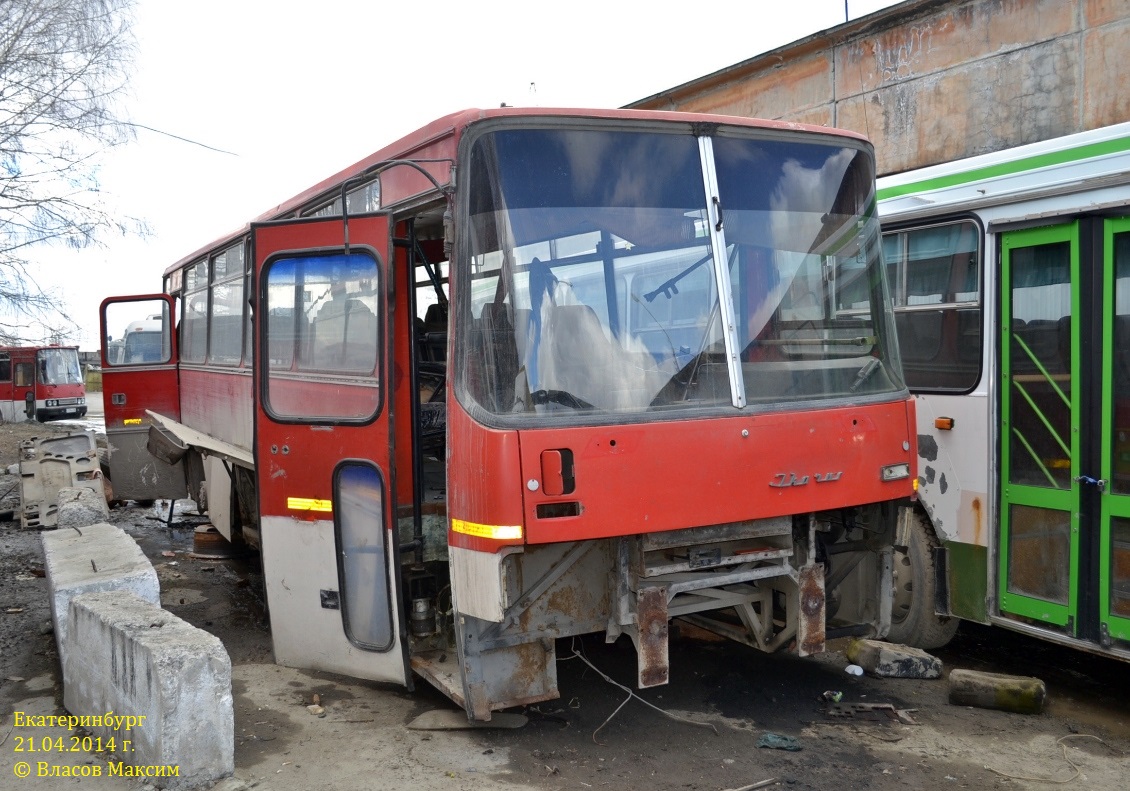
[
  {"x": 97, "y": 557},
  {"x": 167, "y": 684},
  {"x": 890, "y": 660},
  {"x": 80, "y": 507}
]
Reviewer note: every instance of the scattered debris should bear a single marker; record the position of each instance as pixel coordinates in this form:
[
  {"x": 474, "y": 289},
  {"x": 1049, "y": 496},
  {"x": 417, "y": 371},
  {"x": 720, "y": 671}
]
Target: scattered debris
[
  {"x": 889, "y": 660},
  {"x": 778, "y": 741},
  {"x": 1018, "y": 694},
  {"x": 752, "y": 786},
  {"x": 872, "y": 711},
  {"x": 853, "y": 670},
  {"x": 209, "y": 544},
  {"x": 316, "y": 710},
  {"x": 832, "y": 696}
]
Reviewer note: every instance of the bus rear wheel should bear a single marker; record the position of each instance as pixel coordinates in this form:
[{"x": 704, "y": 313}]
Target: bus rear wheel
[{"x": 913, "y": 621}]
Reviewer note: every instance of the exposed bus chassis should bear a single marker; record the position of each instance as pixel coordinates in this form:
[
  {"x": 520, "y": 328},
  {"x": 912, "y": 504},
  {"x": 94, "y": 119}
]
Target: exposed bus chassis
[{"x": 761, "y": 583}]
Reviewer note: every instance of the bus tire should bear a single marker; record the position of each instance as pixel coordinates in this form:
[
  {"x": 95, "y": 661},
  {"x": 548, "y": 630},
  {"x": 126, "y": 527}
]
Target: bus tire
[{"x": 913, "y": 621}]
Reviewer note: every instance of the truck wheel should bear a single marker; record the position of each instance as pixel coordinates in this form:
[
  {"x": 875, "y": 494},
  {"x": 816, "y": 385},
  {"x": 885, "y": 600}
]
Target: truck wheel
[{"x": 913, "y": 621}]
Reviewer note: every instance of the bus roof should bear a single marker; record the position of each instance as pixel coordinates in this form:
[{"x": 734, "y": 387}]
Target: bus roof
[
  {"x": 1049, "y": 167},
  {"x": 438, "y": 139}
]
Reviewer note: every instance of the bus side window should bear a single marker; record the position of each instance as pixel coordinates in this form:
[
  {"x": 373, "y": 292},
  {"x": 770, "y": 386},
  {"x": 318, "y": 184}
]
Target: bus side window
[
  {"x": 936, "y": 290},
  {"x": 5, "y": 367}
]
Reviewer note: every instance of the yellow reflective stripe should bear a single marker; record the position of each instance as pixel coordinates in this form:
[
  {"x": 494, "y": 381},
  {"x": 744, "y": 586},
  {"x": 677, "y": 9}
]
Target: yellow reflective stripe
[
  {"x": 308, "y": 504},
  {"x": 132, "y": 421},
  {"x": 507, "y": 532}
]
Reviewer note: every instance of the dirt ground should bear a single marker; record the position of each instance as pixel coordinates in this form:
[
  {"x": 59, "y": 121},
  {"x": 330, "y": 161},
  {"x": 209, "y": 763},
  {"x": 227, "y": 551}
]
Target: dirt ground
[{"x": 726, "y": 697}]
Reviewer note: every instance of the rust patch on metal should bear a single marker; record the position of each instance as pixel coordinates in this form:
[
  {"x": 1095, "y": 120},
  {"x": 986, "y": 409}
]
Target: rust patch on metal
[
  {"x": 479, "y": 705},
  {"x": 810, "y": 620},
  {"x": 978, "y": 521},
  {"x": 651, "y": 613},
  {"x": 566, "y": 601}
]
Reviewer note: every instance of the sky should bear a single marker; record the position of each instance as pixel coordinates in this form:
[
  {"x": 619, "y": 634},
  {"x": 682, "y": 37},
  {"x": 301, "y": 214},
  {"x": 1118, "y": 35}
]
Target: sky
[{"x": 276, "y": 97}]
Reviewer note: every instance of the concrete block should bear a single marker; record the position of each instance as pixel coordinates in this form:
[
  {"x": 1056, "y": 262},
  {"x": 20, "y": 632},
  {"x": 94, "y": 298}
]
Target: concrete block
[
  {"x": 1020, "y": 694},
  {"x": 97, "y": 557},
  {"x": 130, "y": 657},
  {"x": 893, "y": 661},
  {"x": 80, "y": 507}
]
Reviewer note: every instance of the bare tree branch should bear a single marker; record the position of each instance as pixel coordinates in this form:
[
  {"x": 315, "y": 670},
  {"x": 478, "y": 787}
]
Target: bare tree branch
[{"x": 63, "y": 66}]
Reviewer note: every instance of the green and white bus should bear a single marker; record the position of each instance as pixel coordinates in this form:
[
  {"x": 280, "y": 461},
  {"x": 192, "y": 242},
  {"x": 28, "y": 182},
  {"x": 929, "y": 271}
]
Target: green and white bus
[{"x": 1010, "y": 274}]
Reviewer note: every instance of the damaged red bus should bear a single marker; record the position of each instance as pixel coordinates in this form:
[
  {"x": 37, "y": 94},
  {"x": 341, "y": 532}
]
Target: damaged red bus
[
  {"x": 527, "y": 374},
  {"x": 41, "y": 383}
]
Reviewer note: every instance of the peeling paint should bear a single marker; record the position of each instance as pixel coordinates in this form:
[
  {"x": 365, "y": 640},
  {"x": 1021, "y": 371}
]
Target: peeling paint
[
  {"x": 942, "y": 483},
  {"x": 930, "y": 473},
  {"x": 928, "y": 447}
]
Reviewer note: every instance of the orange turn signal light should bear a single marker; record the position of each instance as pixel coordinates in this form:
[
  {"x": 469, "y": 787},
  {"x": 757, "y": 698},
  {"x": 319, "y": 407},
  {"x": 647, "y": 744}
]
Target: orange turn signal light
[{"x": 943, "y": 423}]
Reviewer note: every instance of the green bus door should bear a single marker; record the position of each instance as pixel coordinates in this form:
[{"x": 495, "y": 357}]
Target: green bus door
[
  {"x": 1065, "y": 433},
  {"x": 1114, "y": 549}
]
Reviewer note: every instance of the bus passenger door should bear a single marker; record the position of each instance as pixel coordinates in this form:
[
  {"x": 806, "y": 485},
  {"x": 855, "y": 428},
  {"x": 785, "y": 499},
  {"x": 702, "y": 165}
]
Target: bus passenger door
[
  {"x": 139, "y": 373},
  {"x": 1114, "y": 550},
  {"x": 1040, "y": 414},
  {"x": 322, "y": 446}
]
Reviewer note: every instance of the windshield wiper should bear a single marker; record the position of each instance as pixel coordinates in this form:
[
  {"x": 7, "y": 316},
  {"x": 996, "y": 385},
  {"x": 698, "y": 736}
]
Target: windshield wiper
[
  {"x": 562, "y": 397},
  {"x": 668, "y": 288},
  {"x": 864, "y": 373}
]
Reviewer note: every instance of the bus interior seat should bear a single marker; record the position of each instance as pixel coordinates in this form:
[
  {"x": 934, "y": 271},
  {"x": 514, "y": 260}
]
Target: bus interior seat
[
  {"x": 435, "y": 318},
  {"x": 432, "y": 334}
]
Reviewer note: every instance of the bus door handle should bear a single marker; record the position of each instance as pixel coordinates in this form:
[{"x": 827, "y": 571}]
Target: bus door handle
[
  {"x": 557, "y": 476},
  {"x": 118, "y": 399},
  {"x": 1087, "y": 480}
]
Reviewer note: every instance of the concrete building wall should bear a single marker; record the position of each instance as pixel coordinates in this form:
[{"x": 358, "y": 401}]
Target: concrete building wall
[{"x": 931, "y": 81}]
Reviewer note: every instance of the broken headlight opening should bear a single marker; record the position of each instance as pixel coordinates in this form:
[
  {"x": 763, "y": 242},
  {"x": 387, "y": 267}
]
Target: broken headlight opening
[{"x": 894, "y": 472}]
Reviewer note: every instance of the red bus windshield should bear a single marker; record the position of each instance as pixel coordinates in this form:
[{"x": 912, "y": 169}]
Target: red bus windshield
[
  {"x": 602, "y": 280},
  {"x": 58, "y": 367}
]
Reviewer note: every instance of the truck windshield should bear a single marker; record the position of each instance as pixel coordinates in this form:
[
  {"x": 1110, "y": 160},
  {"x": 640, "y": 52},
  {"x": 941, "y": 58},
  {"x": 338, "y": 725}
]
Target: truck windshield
[
  {"x": 596, "y": 282},
  {"x": 59, "y": 367}
]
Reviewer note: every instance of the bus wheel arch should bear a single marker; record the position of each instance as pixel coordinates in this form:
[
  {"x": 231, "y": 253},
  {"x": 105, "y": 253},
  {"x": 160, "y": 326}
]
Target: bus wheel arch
[{"x": 913, "y": 620}]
